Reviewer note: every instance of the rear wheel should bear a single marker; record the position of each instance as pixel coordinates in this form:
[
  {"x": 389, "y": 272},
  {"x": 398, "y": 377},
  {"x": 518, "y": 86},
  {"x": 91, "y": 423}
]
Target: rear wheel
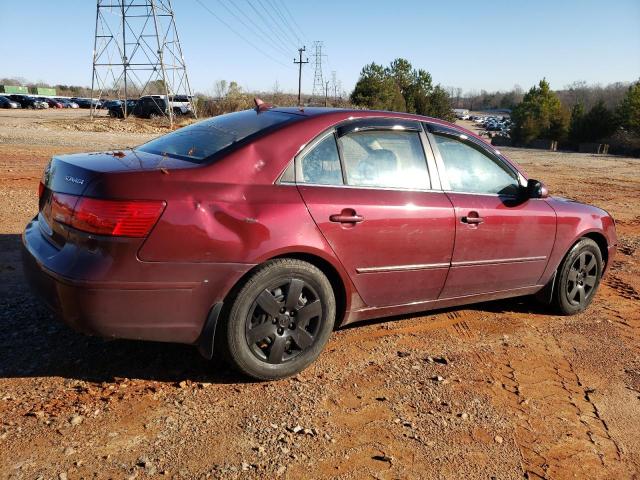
[
  {"x": 280, "y": 320},
  {"x": 578, "y": 277}
]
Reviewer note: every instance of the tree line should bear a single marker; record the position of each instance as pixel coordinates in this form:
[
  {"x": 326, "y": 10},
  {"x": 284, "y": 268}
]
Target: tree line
[
  {"x": 576, "y": 92},
  {"x": 401, "y": 88},
  {"x": 577, "y": 114},
  {"x": 542, "y": 115}
]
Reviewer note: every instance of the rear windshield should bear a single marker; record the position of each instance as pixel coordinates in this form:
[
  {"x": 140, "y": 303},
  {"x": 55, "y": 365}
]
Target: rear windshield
[{"x": 203, "y": 139}]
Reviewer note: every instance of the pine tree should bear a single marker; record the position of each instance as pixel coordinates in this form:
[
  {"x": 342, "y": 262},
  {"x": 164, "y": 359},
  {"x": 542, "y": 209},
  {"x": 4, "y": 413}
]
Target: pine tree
[
  {"x": 401, "y": 88},
  {"x": 628, "y": 112},
  {"x": 539, "y": 115},
  {"x": 598, "y": 123},
  {"x": 376, "y": 90},
  {"x": 576, "y": 125}
]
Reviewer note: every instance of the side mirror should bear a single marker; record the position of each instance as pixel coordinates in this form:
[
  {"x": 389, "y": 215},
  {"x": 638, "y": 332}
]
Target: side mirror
[{"x": 536, "y": 189}]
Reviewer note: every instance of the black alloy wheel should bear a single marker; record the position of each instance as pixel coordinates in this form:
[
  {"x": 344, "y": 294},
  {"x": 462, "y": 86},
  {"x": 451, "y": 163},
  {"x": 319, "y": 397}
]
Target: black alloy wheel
[
  {"x": 578, "y": 277},
  {"x": 582, "y": 278},
  {"x": 278, "y": 321},
  {"x": 283, "y": 321}
]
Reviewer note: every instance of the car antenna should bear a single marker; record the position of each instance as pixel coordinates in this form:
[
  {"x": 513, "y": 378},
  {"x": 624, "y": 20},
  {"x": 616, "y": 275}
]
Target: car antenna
[{"x": 261, "y": 105}]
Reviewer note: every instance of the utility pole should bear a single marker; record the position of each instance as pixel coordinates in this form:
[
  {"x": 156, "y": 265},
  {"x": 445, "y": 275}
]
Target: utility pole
[
  {"x": 334, "y": 84},
  {"x": 300, "y": 63},
  {"x": 326, "y": 93}
]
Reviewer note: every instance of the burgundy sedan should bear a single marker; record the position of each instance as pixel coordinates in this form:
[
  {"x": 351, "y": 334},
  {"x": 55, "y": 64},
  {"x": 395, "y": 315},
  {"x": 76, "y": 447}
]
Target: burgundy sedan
[
  {"x": 52, "y": 102},
  {"x": 259, "y": 232}
]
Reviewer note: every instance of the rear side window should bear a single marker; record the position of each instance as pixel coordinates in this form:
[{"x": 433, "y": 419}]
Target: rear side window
[
  {"x": 199, "y": 141},
  {"x": 470, "y": 170},
  {"x": 321, "y": 165},
  {"x": 386, "y": 159}
]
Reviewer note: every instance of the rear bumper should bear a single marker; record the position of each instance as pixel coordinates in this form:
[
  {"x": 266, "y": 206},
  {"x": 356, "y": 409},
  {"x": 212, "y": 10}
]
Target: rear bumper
[{"x": 173, "y": 307}]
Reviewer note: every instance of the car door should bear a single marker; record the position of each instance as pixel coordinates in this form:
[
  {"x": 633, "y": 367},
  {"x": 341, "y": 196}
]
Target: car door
[
  {"x": 503, "y": 238},
  {"x": 374, "y": 194}
]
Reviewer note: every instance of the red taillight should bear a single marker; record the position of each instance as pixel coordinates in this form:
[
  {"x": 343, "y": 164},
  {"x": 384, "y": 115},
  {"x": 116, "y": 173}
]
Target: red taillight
[
  {"x": 122, "y": 218},
  {"x": 118, "y": 218},
  {"x": 62, "y": 207}
]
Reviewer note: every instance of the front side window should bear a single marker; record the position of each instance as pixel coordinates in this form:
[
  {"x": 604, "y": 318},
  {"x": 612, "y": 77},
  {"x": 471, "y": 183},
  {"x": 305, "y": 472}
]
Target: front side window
[
  {"x": 386, "y": 159},
  {"x": 470, "y": 170},
  {"x": 321, "y": 165}
]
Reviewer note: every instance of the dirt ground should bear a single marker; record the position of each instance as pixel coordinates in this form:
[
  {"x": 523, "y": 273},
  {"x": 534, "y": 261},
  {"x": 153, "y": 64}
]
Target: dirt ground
[{"x": 497, "y": 390}]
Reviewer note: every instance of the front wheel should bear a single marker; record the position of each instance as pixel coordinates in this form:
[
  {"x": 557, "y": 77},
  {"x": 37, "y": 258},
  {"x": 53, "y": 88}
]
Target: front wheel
[
  {"x": 578, "y": 277},
  {"x": 279, "y": 321}
]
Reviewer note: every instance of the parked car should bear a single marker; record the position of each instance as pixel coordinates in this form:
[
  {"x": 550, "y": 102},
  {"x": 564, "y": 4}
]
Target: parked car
[
  {"x": 181, "y": 104},
  {"x": 27, "y": 101},
  {"x": 116, "y": 109},
  {"x": 8, "y": 103},
  {"x": 107, "y": 104},
  {"x": 82, "y": 102},
  {"x": 66, "y": 103},
  {"x": 267, "y": 228},
  {"x": 150, "y": 106},
  {"x": 51, "y": 102},
  {"x": 87, "y": 102}
]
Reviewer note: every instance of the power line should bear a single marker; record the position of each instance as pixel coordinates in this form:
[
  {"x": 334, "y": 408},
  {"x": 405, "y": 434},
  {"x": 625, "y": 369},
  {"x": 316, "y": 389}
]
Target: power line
[
  {"x": 275, "y": 22},
  {"x": 217, "y": 17},
  {"x": 265, "y": 35},
  {"x": 295, "y": 23},
  {"x": 275, "y": 33},
  {"x": 286, "y": 24}
]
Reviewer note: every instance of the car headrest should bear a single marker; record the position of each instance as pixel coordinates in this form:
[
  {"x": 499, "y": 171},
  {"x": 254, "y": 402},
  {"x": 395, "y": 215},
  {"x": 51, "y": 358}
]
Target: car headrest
[{"x": 384, "y": 159}]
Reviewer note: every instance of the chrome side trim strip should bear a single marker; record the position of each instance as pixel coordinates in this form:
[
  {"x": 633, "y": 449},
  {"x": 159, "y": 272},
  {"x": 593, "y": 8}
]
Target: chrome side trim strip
[
  {"x": 498, "y": 261},
  {"x": 439, "y": 302},
  {"x": 402, "y": 268},
  {"x": 431, "y": 266}
]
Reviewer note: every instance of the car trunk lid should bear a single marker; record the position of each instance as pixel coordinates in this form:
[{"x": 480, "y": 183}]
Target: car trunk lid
[{"x": 67, "y": 178}]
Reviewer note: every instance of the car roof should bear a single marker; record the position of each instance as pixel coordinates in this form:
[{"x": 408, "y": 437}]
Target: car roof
[
  {"x": 342, "y": 114},
  {"x": 356, "y": 113}
]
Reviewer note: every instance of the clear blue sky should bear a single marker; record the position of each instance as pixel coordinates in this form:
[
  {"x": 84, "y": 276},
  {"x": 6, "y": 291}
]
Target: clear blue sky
[{"x": 469, "y": 44}]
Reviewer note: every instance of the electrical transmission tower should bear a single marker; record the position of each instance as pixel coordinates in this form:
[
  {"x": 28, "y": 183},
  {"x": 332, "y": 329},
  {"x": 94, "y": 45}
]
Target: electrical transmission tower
[
  {"x": 318, "y": 82},
  {"x": 137, "y": 52}
]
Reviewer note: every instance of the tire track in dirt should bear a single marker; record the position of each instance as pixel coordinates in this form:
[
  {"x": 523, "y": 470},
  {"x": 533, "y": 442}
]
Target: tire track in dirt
[
  {"x": 624, "y": 289},
  {"x": 557, "y": 426}
]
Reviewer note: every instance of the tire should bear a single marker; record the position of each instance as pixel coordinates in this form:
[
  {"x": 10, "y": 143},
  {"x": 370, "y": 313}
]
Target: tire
[
  {"x": 279, "y": 321},
  {"x": 578, "y": 278}
]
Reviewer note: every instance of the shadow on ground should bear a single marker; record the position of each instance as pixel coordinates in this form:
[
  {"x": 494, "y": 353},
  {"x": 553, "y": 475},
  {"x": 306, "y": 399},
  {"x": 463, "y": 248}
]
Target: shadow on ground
[{"x": 35, "y": 344}]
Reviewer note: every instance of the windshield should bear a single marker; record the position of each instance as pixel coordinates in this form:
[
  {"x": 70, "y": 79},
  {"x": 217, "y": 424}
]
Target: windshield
[{"x": 201, "y": 140}]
